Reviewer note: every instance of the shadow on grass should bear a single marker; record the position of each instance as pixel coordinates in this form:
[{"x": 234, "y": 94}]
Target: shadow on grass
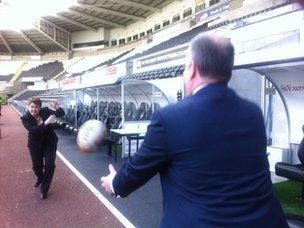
[{"x": 288, "y": 193}]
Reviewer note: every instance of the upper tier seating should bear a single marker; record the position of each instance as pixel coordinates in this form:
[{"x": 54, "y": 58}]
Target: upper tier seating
[
  {"x": 28, "y": 94},
  {"x": 167, "y": 72},
  {"x": 190, "y": 34},
  {"x": 91, "y": 63},
  {"x": 6, "y": 78},
  {"x": 47, "y": 71}
]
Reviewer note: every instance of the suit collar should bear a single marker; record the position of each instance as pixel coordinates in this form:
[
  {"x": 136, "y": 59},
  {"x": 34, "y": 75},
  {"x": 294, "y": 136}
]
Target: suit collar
[
  {"x": 198, "y": 88},
  {"x": 211, "y": 88}
]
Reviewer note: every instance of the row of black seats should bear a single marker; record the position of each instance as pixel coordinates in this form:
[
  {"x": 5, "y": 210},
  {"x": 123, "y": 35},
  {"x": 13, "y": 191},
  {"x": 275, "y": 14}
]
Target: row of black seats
[
  {"x": 167, "y": 72},
  {"x": 109, "y": 112},
  {"x": 20, "y": 107},
  {"x": 47, "y": 70},
  {"x": 28, "y": 94}
]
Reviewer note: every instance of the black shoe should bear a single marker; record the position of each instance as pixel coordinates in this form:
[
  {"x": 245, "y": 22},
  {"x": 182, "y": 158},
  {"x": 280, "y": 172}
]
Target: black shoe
[
  {"x": 43, "y": 196},
  {"x": 38, "y": 182}
]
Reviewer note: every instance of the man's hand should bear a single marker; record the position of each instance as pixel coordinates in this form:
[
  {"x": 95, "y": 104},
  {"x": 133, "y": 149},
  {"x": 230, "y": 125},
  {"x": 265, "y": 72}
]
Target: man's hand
[{"x": 106, "y": 182}]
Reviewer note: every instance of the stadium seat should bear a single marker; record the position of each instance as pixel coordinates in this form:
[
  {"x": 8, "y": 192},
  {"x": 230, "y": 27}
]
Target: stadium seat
[
  {"x": 292, "y": 172},
  {"x": 140, "y": 112}
]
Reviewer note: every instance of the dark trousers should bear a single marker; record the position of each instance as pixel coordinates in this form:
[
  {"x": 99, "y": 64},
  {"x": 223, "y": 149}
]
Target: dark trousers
[{"x": 44, "y": 165}]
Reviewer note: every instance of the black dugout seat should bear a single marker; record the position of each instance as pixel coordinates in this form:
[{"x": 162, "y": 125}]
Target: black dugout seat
[{"x": 292, "y": 172}]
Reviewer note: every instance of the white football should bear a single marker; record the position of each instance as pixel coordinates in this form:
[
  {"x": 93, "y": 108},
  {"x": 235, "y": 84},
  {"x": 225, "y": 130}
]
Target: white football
[{"x": 90, "y": 135}]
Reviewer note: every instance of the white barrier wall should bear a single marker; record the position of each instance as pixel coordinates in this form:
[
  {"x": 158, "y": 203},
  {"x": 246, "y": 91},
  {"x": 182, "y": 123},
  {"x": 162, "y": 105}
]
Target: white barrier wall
[
  {"x": 170, "y": 87},
  {"x": 102, "y": 76}
]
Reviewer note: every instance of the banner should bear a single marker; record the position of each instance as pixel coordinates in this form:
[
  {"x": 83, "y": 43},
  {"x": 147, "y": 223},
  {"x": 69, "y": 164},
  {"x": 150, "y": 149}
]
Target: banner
[
  {"x": 171, "y": 57},
  {"x": 209, "y": 12},
  {"x": 70, "y": 83}
]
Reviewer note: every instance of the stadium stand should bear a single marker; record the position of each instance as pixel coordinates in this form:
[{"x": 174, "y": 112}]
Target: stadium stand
[
  {"x": 194, "y": 31},
  {"x": 27, "y": 94},
  {"x": 20, "y": 106},
  {"x": 107, "y": 62},
  {"x": 5, "y": 78},
  {"x": 167, "y": 72},
  {"x": 47, "y": 71},
  {"x": 78, "y": 66}
]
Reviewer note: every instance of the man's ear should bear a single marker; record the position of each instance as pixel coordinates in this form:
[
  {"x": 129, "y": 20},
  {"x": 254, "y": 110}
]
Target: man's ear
[{"x": 192, "y": 69}]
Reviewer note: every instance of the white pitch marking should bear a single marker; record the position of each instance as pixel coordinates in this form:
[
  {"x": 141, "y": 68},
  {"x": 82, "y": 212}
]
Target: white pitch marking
[{"x": 106, "y": 202}]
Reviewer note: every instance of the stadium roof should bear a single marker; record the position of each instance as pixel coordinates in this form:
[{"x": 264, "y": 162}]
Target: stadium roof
[{"x": 84, "y": 15}]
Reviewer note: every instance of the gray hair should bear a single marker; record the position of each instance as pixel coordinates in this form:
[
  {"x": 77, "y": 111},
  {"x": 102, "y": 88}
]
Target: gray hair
[{"x": 214, "y": 58}]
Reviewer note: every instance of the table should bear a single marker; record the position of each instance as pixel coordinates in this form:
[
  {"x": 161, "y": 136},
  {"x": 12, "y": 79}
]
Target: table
[{"x": 130, "y": 134}]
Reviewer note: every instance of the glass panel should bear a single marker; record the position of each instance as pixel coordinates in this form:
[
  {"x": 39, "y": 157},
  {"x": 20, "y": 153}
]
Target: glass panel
[
  {"x": 275, "y": 118},
  {"x": 108, "y": 106},
  {"x": 140, "y": 100}
]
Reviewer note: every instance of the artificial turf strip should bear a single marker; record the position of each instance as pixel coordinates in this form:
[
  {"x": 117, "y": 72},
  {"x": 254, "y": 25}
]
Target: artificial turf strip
[{"x": 288, "y": 193}]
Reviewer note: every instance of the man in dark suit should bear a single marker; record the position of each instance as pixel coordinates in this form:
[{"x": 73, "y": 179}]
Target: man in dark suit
[
  {"x": 209, "y": 149},
  {"x": 42, "y": 141}
]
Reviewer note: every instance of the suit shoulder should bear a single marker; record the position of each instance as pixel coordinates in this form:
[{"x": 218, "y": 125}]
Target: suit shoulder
[
  {"x": 250, "y": 106},
  {"x": 167, "y": 109},
  {"x": 175, "y": 109}
]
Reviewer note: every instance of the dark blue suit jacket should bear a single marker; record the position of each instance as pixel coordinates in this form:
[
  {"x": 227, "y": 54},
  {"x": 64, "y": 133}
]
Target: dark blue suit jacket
[
  {"x": 210, "y": 151},
  {"x": 301, "y": 151}
]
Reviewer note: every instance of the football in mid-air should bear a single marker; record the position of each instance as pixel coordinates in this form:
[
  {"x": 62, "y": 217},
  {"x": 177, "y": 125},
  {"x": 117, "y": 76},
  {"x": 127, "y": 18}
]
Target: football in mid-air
[{"x": 90, "y": 135}]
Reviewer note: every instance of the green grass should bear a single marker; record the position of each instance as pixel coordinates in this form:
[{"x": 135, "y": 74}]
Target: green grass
[
  {"x": 288, "y": 193},
  {"x": 109, "y": 136},
  {"x": 119, "y": 148}
]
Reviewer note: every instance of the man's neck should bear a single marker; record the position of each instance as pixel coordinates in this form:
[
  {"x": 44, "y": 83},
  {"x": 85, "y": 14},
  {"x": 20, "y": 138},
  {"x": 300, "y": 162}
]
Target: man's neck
[
  {"x": 199, "y": 87},
  {"x": 205, "y": 81}
]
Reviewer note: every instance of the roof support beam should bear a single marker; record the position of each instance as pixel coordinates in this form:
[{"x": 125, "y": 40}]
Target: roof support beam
[
  {"x": 76, "y": 23},
  {"x": 95, "y": 18},
  {"x": 31, "y": 42},
  {"x": 103, "y": 10},
  {"x": 56, "y": 26},
  {"x": 52, "y": 39},
  {"x": 137, "y": 5},
  {"x": 6, "y": 44}
]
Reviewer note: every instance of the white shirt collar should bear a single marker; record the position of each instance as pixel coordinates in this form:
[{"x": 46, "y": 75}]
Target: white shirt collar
[{"x": 198, "y": 88}]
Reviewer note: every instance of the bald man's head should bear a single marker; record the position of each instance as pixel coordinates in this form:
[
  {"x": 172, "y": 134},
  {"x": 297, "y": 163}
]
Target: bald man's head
[{"x": 214, "y": 56}]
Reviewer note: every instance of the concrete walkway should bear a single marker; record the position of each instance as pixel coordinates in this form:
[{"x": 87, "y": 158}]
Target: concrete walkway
[{"x": 70, "y": 203}]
